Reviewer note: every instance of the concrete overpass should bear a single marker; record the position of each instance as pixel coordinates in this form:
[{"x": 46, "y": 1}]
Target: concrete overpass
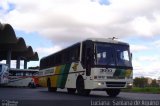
[{"x": 13, "y": 48}]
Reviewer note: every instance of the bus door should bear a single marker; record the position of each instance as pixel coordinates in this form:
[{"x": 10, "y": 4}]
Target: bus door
[{"x": 87, "y": 56}]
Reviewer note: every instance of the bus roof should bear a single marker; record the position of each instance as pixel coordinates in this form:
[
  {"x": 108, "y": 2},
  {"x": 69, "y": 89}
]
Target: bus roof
[
  {"x": 60, "y": 50},
  {"x": 107, "y": 40}
]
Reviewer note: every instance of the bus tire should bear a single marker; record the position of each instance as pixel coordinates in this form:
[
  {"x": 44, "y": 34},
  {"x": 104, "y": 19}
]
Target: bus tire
[
  {"x": 71, "y": 90},
  {"x": 29, "y": 85},
  {"x": 81, "y": 87},
  {"x": 33, "y": 85},
  {"x": 50, "y": 89},
  {"x": 113, "y": 92}
]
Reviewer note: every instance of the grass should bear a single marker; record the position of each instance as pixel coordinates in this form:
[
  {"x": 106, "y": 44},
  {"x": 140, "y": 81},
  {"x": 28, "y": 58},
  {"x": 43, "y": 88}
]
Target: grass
[{"x": 155, "y": 90}]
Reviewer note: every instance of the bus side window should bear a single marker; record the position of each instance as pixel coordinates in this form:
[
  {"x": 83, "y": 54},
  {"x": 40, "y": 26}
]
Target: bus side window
[{"x": 75, "y": 53}]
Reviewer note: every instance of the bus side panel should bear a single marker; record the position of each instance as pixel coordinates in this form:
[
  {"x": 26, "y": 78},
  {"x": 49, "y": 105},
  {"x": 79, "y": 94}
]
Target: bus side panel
[
  {"x": 54, "y": 79},
  {"x": 65, "y": 75},
  {"x": 74, "y": 72},
  {"x": 43, "y": 81},
  {"x": 19, "y": 81},
  {"x": 60, "y": 76}
]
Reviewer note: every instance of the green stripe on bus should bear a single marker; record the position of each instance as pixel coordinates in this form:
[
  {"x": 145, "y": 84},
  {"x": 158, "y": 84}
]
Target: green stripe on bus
[
  {"x": 65, "y": 75},
  {"x": 119, "y": 72},
  {"x": 60, "y": 76},
  {"x": 122, "y": 73}
]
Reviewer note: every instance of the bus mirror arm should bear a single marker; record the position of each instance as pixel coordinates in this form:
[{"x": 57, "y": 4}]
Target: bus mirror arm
[{"x": 131, "y": 56}]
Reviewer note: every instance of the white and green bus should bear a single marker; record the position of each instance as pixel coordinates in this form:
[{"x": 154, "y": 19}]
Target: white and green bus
[{"x": 93, "y": 64}]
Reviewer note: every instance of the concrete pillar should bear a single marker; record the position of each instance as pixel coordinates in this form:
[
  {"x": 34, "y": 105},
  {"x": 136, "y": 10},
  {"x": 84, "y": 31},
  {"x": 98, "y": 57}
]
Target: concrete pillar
[
  {"x": 1, "y": 26},
  {"x": 18, "y": 63},
  {"x": 8, "y": 61},
  {"x": 25, "y": 64}
]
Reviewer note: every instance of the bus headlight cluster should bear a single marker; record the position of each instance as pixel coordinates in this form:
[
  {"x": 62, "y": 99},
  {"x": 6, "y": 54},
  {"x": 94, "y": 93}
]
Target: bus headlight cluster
[
  {"x": 130, "y": 85},
  {"x": 100, "y": 83}
]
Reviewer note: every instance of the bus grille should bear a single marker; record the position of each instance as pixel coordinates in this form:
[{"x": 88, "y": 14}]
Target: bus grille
[{"x": 115, "y": 84}]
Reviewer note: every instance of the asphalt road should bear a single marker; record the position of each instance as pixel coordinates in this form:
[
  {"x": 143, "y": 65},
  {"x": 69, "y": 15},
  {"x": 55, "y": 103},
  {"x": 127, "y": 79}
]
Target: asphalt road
[{"x": 41, "y": 97}]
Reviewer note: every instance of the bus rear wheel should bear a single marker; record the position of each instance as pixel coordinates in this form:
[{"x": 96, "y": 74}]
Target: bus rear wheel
[
  {"x": 113, "y": 92},
  {"x": 50, "y": 89},
  {"x": 71, "y": 90},
  {"x": 31, "y": 85},
  {"x": 80, "y": 87}
]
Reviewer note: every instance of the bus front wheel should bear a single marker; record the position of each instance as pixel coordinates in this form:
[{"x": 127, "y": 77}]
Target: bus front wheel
[
  {"x": 113, "y": 92},
  {"x": 81, "y": 87},
  {"x": 50, "y": 89}
]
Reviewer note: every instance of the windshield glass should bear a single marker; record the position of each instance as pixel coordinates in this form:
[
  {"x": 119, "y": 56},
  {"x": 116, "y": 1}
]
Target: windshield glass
[
  {"x": 104, "y": 55},
  {"x": 122, "y": 55},
  {"x": 112, "y": 55}
]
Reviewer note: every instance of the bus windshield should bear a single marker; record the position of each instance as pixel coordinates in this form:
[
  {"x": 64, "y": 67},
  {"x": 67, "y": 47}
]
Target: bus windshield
[
  {"x": 112, "y": 55},
  {"x": 104, "y": 54},
  {"x": 122, "y": 55}
]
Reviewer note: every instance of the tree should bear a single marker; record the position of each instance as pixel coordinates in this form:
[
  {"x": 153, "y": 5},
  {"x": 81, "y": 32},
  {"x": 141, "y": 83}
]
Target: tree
[
  {"x": 154, "y": 83},
  {"x": 140, "y": 82}
]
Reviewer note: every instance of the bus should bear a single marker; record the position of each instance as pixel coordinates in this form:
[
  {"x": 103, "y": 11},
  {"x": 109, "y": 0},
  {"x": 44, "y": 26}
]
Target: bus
[
  {"x": 4, "y": 74},
  {"x": 92, "y": 64},
  {"x": 22, "y": 78}
]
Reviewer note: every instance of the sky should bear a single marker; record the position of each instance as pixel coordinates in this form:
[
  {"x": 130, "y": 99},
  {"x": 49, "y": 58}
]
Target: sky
[{"x": 51, "y": 25}]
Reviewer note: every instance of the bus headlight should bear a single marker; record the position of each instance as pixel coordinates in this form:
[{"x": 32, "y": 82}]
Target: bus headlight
[
  {"x": 99, "y": 84},
  {"x": 129, "y": 85}
]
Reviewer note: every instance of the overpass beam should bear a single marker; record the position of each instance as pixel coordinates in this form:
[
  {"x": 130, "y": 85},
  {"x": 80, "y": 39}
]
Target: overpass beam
[{"x": 18, "y": 63}]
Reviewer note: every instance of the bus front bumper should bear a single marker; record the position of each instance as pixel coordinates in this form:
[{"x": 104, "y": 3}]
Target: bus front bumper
[{"x": 111, "y": 84}]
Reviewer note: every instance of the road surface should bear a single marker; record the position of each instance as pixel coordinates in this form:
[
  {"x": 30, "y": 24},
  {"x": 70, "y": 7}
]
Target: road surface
[{"x": 41, "y": 97}]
